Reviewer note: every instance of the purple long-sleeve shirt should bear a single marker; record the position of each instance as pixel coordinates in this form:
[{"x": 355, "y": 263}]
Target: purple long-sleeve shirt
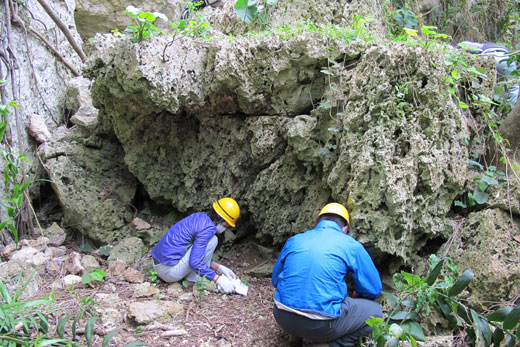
[{"x": 193, "y": 231}]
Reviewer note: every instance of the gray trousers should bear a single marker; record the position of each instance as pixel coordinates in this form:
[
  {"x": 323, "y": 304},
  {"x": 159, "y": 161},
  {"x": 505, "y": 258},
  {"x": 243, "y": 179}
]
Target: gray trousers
[
  {"x": 182, "y": 270},
  {"x": 345, "y": 330}
]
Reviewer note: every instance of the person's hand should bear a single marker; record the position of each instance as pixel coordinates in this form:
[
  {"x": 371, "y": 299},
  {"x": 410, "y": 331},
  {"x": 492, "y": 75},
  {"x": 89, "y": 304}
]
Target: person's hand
[
  {"x": 227, "y": 272},
  {"x": 224, "y": 285}
]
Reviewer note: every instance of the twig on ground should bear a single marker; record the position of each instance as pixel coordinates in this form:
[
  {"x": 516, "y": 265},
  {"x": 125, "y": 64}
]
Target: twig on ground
[
  {"x": 159, "y": 326},
  {"x": 176, "y": 332}
]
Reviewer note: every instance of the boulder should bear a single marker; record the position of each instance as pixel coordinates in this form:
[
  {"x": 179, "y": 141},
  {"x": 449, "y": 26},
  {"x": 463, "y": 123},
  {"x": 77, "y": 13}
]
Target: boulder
[
  {"x": 489, "y": 245},
  {"x": 91, "y": 181},
  {"x": 129, "y": 250},
  {"x": 145, "y": 312},
  {"x": 258, "y": 119},
  {"x": 55, "y": 234}
]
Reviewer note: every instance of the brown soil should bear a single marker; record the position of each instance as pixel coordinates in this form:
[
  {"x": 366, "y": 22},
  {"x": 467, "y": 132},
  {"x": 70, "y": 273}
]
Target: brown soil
[{"x": 211, "y": 319}]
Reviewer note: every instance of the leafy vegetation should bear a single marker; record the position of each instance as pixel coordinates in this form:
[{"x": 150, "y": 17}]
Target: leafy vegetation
[
  {"x": 39, "y": 322},
  {"x": 416, "y": 296},
  {"x": 249, "y": 11},
  {"x": 96, "y": 275},
  {"x": 16, "y": 180},
  {"x": 144, "y": 24}
]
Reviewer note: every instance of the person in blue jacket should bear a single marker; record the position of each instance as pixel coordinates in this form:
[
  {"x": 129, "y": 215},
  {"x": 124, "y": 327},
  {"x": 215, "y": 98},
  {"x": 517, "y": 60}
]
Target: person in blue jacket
[
  {"x": 311, "y": 301},
  {"x": 186, "y": 250}
]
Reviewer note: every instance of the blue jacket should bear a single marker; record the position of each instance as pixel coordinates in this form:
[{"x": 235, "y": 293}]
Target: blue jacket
[
  {"x": 193, "y": 231},
  {"x": 309, "y": 274}
]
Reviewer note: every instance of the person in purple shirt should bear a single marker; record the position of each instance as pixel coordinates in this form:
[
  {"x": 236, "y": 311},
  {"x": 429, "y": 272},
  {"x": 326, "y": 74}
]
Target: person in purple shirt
[{"x": 186, "y": 250}]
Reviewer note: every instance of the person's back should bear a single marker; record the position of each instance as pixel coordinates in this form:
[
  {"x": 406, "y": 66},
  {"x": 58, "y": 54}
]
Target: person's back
[
  {"x": 316, "y": 265},
  {"x": 311, "y": 300}
]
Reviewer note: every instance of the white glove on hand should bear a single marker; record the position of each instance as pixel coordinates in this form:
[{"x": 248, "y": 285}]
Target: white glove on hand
[
  {"x": 224, "y": 285},
  {"x": 227, "y": 272}
]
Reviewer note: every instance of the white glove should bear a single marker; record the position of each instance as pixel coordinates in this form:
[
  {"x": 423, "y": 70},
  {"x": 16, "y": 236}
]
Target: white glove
[
  {"x": 224, "y": 285},
  {"x": 227, "y": 272}
]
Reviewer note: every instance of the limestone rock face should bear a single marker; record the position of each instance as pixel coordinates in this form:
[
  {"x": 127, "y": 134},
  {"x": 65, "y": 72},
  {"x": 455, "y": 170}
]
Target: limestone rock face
[
  {"x": 489, "y": 246},
  {"x": 285, "y": 126},
  {"x": 91, "y": 181}
]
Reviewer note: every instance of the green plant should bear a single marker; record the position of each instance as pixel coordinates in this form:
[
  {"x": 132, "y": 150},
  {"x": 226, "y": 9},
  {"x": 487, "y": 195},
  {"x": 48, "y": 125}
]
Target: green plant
[
  {"x": 96, "y": 275},
  {"x": 489, "y": 177},
  {"x": 429, "y": 38},
  {"x": 194, "y": 28},
  {"x": 15, "y": 177},
  {"x": 30, "y": 323},
  {"x": 153, "y": 276},
  {"x": 144, "y": 26},
  {"x": 417, "y": 295},
  {"x": 405, "y": 18},
  {"x": 202, "y": 287},
  {"x": 249, "y": 10},
  {"x": 104, "y": 251},
  {"x": 245, "y": 279}
]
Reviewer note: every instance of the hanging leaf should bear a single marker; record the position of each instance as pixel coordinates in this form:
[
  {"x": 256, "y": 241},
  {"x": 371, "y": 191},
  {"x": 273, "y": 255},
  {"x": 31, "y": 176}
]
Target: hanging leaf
[
  {"x": 489, "y": 180},
  {"x": 246, "y": 10},
  {"x": 392, "y": 299},
  {"x": 461, "y": 283},
  {"x": 405, "y": 315},
  {"x": 414, "y": 329},
  {"x": 500, "y": 314},
  {"x": 446, "y": 311},
  {"x": 486, "y": 331},
  {"x": 512, "y": 318},
  {"x": 435, "y": 272},
  {"x": 498, "y": 336},
  {"x": 480, "y": 196}
]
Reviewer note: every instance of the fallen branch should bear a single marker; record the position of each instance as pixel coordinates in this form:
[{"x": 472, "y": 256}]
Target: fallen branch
[
  {"x": 176, "y": 332},
  {"x": 64, "y": 29},
  {"x": 159, "y": 326}
]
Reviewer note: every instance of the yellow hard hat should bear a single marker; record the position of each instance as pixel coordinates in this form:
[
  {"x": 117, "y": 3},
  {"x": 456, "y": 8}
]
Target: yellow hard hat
[
  {"x": 228, "y": 209},
  {"x": 335, "y": 208}
]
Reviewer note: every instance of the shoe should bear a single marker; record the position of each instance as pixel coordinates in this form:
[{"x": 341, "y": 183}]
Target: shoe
[{"x": 295, "y": 341}]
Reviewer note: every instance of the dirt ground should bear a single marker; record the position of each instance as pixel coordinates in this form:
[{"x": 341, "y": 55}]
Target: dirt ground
[{"x": 211, "y": 319}]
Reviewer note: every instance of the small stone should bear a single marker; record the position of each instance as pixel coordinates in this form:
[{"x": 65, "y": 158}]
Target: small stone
[{"x": 140, "y": 224}]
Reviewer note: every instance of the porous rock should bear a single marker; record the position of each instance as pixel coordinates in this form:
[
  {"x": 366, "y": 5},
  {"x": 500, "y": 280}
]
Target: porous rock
[
  {"x": 144, "y": 312},
  {"x": 91, "y": 181},
  {"x": 487, "y": 246},
  {"x": 129, "y": 250},
  {"x": 238, "y": 118}
]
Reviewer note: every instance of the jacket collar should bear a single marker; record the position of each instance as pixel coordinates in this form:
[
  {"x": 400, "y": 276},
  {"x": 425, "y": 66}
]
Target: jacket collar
[{"x": 328, "y": 224}]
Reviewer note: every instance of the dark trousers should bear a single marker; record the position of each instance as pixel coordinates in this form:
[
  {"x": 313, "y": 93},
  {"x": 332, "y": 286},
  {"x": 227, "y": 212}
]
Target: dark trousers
[{"x": 342, "y": 331}]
